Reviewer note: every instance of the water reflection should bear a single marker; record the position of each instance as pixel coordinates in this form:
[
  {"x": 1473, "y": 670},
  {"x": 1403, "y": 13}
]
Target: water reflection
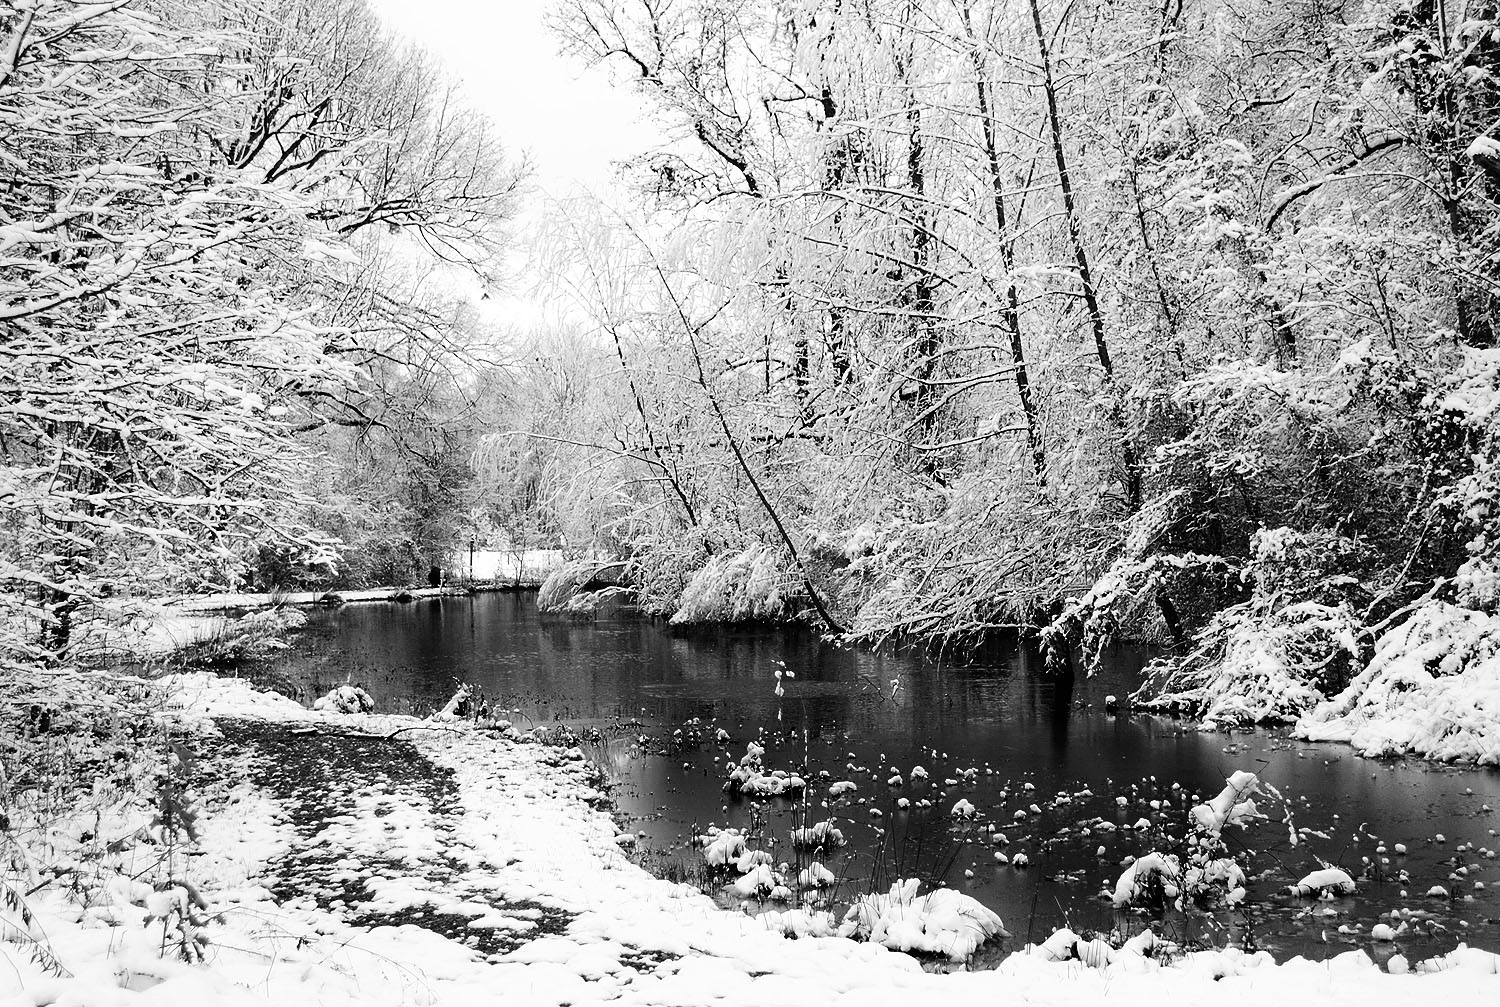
[{"x": 864, "y": 716}]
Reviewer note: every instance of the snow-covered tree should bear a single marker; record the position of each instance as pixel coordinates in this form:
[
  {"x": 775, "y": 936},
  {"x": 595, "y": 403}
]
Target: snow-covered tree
[{"x": 185, "y": 191}]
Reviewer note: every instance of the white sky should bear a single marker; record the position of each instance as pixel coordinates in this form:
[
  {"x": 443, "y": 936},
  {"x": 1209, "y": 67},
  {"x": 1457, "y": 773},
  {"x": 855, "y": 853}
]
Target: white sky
[{"x": 570, "y": 119}]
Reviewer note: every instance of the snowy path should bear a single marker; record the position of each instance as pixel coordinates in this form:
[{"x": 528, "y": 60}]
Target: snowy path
[{"x": 326, "y": 782}]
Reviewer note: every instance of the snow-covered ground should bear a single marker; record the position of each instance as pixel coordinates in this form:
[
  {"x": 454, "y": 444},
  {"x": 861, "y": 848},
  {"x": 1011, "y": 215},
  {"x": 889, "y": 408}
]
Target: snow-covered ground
[{"x": 541, "y": 904}]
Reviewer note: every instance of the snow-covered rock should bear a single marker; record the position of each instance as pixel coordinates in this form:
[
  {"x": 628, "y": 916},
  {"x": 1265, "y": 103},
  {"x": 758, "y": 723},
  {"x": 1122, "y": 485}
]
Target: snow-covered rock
[{"x": 345, "y": 699}]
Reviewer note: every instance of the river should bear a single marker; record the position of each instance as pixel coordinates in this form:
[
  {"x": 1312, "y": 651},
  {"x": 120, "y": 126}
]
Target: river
[{"x": 1044, "y": 762}]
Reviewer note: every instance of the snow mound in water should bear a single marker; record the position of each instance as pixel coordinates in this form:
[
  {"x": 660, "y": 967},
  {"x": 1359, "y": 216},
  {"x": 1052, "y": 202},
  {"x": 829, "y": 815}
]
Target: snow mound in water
[
  {"x": 1433, "y": 688},
  {"x": 1329, "y": 879}
]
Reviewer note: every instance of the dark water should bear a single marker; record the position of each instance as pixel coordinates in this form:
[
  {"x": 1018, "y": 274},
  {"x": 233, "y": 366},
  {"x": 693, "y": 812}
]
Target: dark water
[{"x": 1029, "y": 740}]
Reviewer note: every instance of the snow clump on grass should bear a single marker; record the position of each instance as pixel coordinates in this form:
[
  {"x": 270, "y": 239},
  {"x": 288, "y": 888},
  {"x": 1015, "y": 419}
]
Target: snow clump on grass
[
  {"x": 1232, "y": 806},
  {"x": 722, "y": 848},
  {"x": 750, "y": 778},
  {"x": 1152, "y": 877},
  {"x": 815, "y": 875},
  {"x": 943, "y": 922},
  {"x": 822, "y": 835}
]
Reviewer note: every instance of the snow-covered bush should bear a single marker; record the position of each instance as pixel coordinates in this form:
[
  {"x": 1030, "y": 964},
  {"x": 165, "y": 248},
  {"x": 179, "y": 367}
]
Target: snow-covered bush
[
  {"x": 253, "y": 635},
  {"x": 566, "y": 588},
  {"x": 1473, "y": 401},
  {"x": 1204, "y": 872},
  {"x": 661, "y": 565},
  {"x": 721, "y": 848},
  {"x": 1251, "y": 667},
  {"x": 1150, "y": 879},
  {"x": 819, "y": 836},
  {"x": 1141, "y": 598},
  {"x": 1273, "y": 657},
  {"x": 752, "y": 584},
  {"x": 1433, "y": 688},
  {"x": 751, "y": 779}
]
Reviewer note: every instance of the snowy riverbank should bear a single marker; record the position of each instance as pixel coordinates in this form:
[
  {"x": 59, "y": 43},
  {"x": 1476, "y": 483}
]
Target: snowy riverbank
[
  {"x": 521, "y": 888},
  {"x": 146, "y": 628}
]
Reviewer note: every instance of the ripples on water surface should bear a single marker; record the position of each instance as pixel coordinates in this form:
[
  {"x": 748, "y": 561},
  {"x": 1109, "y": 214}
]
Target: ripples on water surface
[{"x": 1031, "y": 740}]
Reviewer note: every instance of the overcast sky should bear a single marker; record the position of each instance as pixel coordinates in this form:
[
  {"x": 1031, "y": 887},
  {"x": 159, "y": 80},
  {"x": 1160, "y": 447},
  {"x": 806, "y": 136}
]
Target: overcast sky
[{"x": 571, "y": 119}]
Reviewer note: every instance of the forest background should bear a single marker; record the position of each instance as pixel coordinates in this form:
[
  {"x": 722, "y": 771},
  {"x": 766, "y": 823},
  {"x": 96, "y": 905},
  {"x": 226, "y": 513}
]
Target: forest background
[{"x": 927, "y": 319}]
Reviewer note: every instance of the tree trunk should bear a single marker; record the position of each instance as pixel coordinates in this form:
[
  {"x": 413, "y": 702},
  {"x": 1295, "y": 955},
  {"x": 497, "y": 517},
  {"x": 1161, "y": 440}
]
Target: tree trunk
[
  {"x": 1010, "y": 312},
  {"x": 1081, "y": 263}
]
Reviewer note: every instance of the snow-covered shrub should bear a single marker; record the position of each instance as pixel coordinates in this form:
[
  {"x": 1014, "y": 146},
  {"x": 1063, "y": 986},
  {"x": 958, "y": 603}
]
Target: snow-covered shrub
[
  {"x": 750, "y": 778},
  {"x": 1234, "y": 805},
  {"x": 752, "y": 584},
  {"x": 459, "y": 705},
  {"x": 661, "y": 566},
  {"x": 758, "y": 882},
  {"x": 1433, "y": 688},
  {"x": 566, "y": 588},
  {"x": 1140, "y": 598},
  {"x": 815, "y": 875},
  {"x": 943, "y": 922},
  {"x": 253, "y": 635},
  {"x": 1205, "y": 872},
  {"x": 1273, "y": 657},
  {"x": 1249, "y": 667},
  {"x": 722, "y": 848},
  {"x": 819, "y": 836},
  {"x": 1151, "y": 879},
  {"x": 1473, "y": 401}
]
